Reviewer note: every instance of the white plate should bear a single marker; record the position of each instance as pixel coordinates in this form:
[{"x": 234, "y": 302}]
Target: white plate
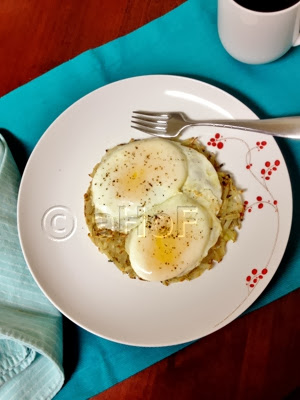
[{"x": 79, "y": 280}]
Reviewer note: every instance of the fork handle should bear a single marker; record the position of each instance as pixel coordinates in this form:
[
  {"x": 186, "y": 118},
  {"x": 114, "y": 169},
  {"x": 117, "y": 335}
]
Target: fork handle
[{"x": 287, "y": 127}]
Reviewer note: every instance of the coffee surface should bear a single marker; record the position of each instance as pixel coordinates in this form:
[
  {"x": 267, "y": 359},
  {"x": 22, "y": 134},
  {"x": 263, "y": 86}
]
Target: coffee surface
[{"x": 266, "y": 5}]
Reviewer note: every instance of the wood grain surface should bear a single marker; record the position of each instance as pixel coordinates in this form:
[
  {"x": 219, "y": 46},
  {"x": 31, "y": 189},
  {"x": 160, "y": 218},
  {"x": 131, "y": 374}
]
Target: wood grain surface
[{"x": 255, "y": 357}]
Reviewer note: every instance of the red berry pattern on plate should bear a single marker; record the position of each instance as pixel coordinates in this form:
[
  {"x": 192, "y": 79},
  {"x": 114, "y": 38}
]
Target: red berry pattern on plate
[
  {"x": 268, "y": 169},
  {"x": 262, "y": 200},
  {"x": 261, "y": 145},
  {"x": 255, "y": 276},
  {"x": 259, "y": 204},
  {"x": 216, "y": 141}
]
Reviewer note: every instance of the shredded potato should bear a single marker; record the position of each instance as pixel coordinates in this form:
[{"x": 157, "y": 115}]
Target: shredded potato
[{"x": 112, "y": 243}]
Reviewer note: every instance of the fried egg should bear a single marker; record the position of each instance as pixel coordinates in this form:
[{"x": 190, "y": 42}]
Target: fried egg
[
  {"x": 173, "y": 239},
  {"x": 137, "y": 175}
]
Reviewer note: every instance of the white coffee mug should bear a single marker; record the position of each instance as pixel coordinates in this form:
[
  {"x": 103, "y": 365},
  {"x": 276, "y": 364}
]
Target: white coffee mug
[{"x": 257, "y": 37}]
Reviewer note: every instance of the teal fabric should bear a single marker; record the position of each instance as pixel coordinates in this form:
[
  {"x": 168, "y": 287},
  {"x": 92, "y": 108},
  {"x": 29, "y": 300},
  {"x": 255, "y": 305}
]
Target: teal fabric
[
  {"x": 30, "y": 327},
  {"x": 184, "y": 42}
]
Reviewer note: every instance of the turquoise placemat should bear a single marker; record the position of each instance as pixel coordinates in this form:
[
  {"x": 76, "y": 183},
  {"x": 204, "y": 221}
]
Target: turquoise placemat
[{"x": 183, "y": 42}]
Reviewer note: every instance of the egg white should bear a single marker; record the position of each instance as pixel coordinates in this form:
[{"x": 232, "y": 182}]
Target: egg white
[{"x": 202, "y": 182}]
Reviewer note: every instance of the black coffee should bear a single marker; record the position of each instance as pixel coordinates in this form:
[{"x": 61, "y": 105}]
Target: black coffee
[{"x": 266, "y": 5}]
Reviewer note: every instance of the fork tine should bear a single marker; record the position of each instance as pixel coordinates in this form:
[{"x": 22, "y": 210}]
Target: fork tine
[
  {"x": 145, "y": 129},
  {"x": 150, "y": 121},
  {"x": 150, "y": 125},
  {"x": 151, "y": 114}
]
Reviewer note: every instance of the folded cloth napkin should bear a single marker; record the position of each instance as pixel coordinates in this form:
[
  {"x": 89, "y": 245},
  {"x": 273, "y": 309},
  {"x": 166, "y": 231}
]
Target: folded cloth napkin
[
  {"x": 30, "y": 327},
  {"x": 183, "y": 42}
]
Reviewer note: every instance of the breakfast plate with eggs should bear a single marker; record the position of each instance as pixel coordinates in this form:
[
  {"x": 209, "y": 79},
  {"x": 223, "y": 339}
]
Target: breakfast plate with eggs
[{"x": 148, "y": 241}]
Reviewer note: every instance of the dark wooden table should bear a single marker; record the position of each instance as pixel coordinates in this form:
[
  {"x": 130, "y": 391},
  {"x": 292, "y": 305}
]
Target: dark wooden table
[{"x": 256, "y": 356}]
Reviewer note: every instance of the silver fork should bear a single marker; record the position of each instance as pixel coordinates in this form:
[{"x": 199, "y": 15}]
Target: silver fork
[{"x": 171, "y": 124}]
